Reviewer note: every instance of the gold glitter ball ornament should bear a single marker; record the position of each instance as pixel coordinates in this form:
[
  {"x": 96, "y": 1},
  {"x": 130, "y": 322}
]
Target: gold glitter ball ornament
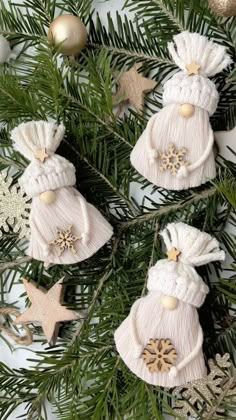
[
  {"x": 14, "y": 208},
  {"x": 223, "y": 7},
  {"x": 68, "y": 33}
]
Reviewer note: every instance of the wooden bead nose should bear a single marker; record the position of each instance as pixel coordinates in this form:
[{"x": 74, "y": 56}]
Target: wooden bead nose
[
  {"x": 186, "y": 110},
  {"x": 169, "y": 302},
  {"x": 48, "y": 197}
]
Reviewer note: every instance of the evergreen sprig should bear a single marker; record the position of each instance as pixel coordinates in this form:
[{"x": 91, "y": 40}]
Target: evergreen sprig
[{"x": 83, "y": 377}]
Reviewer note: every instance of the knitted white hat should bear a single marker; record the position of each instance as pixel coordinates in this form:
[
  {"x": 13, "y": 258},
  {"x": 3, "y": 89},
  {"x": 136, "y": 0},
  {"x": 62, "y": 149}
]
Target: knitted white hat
[
  {"x": 180, "y": 279},
  {"x": 197, "y": 90},
  {"x": 56, "y": 171}
]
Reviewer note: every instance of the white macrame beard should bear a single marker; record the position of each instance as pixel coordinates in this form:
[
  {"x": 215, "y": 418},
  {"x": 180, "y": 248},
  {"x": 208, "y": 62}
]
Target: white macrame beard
[
  {"x": 152, "y": 321},
  {"x": 170, "y": 127},
  {"x": 70, "y": 208}
]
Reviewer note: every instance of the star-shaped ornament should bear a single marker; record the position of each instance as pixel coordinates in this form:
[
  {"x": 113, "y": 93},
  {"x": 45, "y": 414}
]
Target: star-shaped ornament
[
  {"x": 132, "y": 87},
  {"x": 41, "y": 155},
  {"x": 65, "y": 240},
  {"x": 46, "y": 308},
  {"x": 173, "y": 254},
  {"x": 193, "y": 68}
]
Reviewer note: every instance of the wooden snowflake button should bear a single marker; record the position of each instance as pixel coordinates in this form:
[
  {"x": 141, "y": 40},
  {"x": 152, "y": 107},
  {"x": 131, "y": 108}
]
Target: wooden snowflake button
[
  {"x": 159, "y": 355},
  {"x": 173, "y": 159},
  {"x": 65, "y": 240}
]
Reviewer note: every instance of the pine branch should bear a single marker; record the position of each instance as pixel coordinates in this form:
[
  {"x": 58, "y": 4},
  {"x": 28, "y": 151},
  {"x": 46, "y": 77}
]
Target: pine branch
[
  {"x": 85, "y": 377},
  {"x": 165, "y": 210},
  {"x": 227, "y": 186},
  {"x": 12, "y": 264},
  {"x": 81, "y": 8},
  {"x": 127, "y": 44}
]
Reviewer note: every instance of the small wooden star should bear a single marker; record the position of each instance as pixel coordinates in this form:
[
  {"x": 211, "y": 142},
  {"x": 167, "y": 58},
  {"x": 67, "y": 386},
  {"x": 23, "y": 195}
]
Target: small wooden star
[
  {"x": 65, "y": 240},
  {"x": 173, "y": 254},
  {"x": 193, "y": 68},
  {"x": 46, "y": 308},
  {"x": 132, "y": 87},
  {"x": 41, "y": 155}
]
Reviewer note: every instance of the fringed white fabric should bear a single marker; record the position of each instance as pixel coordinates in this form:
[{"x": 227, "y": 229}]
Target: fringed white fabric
[
  {"x": 197, "y": 248},
  {"x": 35, "y": 135},
  {"x": 152, "y": 320},
  {"x": 148, "y": 317},
  {"x": 169, "y": 127},
  {"x": 192, "y": 47},
  {"x": 70, "y": 208}
]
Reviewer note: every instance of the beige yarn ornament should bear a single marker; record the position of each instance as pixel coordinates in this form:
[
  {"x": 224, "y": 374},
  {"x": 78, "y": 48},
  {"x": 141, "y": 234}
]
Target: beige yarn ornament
[
  {"x": 223, "y": 7},
  {"x": 56, "y": 204},
  {"x": 189, "y": 99},
  {"x": 161, "y": 339}
]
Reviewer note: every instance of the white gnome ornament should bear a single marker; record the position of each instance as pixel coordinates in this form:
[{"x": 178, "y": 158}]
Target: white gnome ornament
[
  {"x": 176, "y": 149},
  {"x": 65, "y": 229},
  {"x": 5, "y": 50},
  {"x": 161, "y": 339}
]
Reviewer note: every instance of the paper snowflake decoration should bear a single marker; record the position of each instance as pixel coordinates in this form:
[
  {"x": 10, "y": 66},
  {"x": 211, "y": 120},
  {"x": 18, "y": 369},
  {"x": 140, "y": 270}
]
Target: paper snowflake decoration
[
  {"x": 65, "y": 240},
  {"x": 159, "y": 355},
  {"x": 14, "y": 208},
  {"x": 204, "y": 393},
  {"x": 173, "y": 159}
]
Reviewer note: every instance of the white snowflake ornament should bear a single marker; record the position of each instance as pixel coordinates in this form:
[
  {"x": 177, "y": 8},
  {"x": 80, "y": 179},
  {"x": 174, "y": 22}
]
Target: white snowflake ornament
[{"x": 14, "y": 208}]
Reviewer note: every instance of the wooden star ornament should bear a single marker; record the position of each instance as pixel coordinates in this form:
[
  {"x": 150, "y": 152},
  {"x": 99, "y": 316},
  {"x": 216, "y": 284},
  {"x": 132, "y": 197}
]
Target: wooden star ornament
[
  {"x": 132, "y": 87},
  {"x": 41, "y": 155},
  {"x": 46, "y": 308},
  {"x": 193, "y": 68},
  {"x": 173, "y": 254}
]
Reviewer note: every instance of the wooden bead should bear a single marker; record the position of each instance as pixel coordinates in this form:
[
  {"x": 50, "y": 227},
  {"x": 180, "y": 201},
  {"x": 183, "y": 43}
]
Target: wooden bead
[
  {"x": 48, "y": 197},
  {"x": 169, "y": 302},
  {"x": 186, "y": 110}
]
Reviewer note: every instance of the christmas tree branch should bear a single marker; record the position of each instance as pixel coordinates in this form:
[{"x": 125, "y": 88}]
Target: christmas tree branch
[
  {"x": 84, "y": 378},
  {"x": 164, "y": 210},
  {"x": 151, "y": 261},
  {"x": 12, "y": 264},
  {"x": 139, "y": 57},
  {"x": 104, "y": 124},
  {"x": 106, "y": 180}
]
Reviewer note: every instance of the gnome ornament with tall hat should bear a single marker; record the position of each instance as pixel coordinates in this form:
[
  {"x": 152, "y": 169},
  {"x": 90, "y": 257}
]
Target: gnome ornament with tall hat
[
  {"x": 65, "y": 228},
  {"x": 161, "y": 339},
  {"x": 176, "y": 149}
]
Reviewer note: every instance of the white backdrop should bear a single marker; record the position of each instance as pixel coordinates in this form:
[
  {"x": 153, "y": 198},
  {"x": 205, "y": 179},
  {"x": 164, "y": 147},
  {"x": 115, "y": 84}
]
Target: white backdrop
[{"x": 18, "y": 358}]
